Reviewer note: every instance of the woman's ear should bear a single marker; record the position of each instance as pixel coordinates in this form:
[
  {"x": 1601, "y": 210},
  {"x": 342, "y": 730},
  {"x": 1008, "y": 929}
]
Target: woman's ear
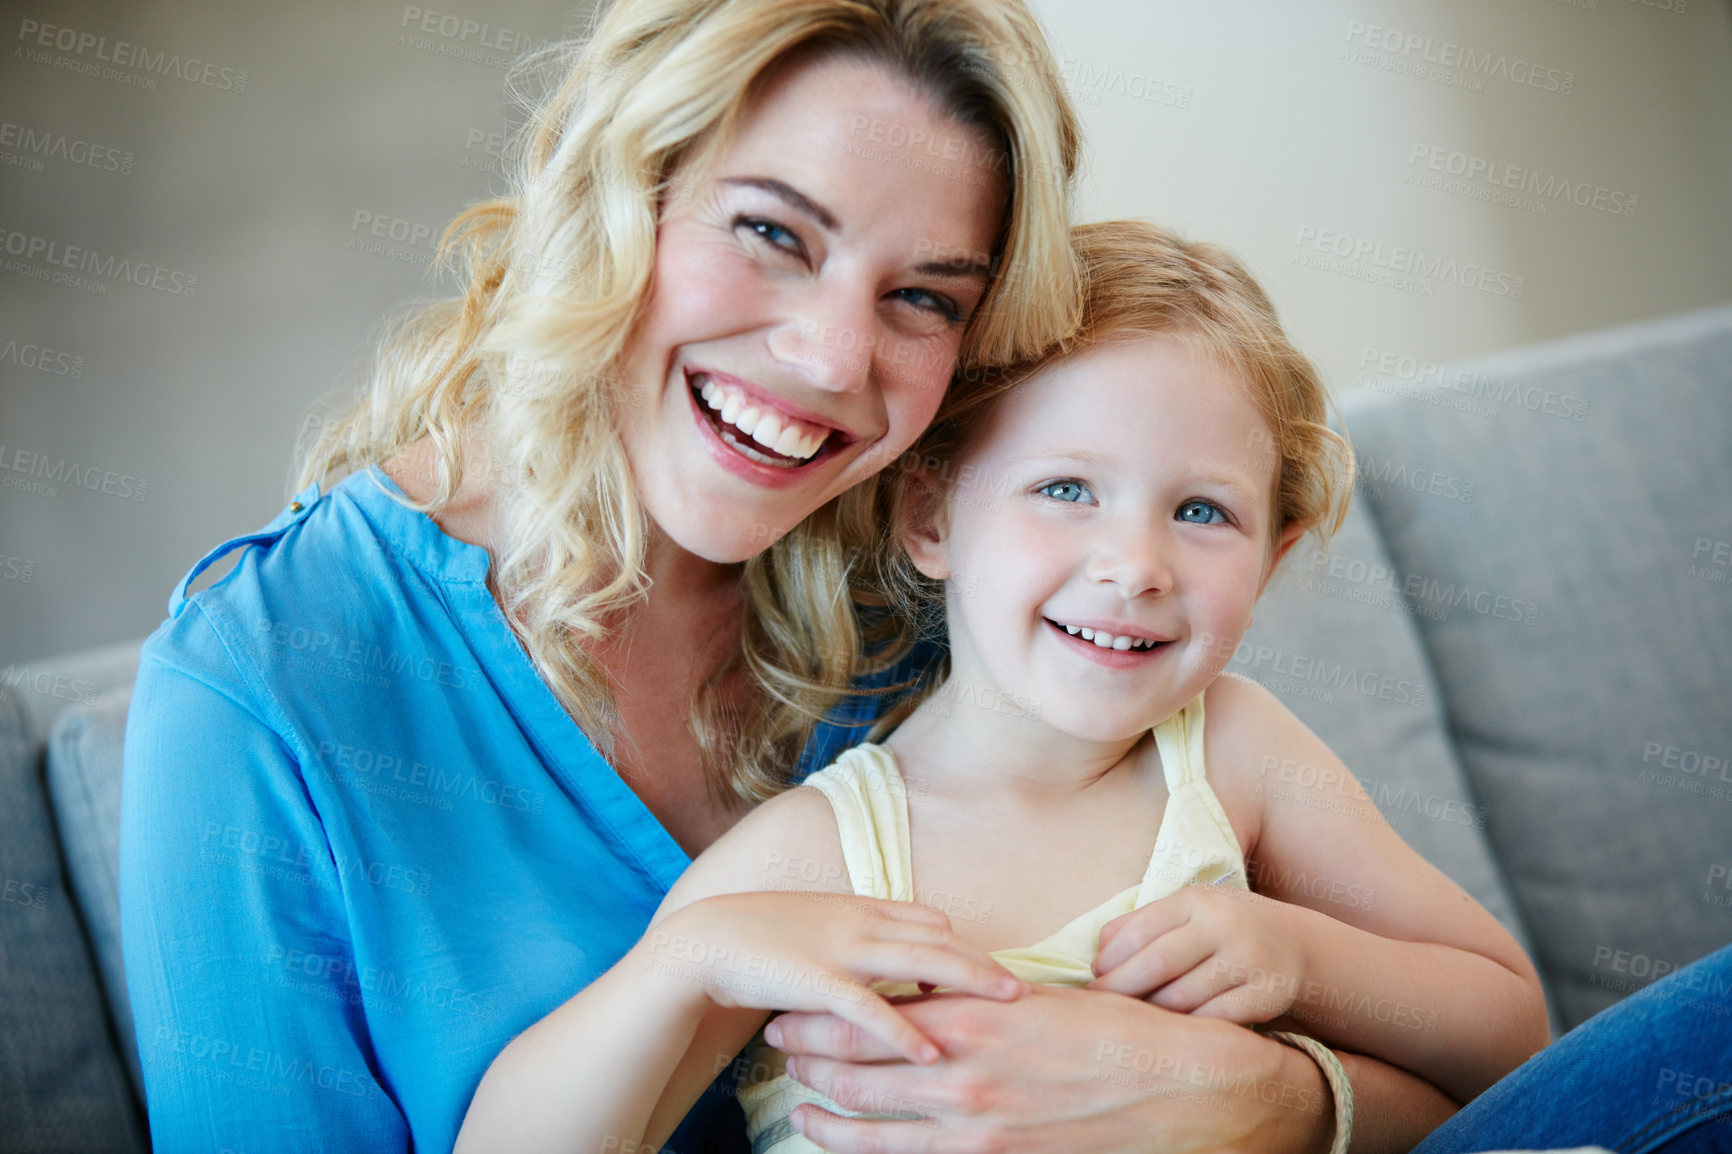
[{"x": 925, "y": 528}]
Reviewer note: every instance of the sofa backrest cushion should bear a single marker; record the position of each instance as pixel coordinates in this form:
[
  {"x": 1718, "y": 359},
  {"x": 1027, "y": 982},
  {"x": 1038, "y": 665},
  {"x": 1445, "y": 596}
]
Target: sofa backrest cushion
[
  {"x": 1560, "y": 523},
  {"x": 64, "y": 1087},
  {"x": 83, "y": 779},
  {"x": 45, "y": 689},
  {"x": 1345, "y": 657}
]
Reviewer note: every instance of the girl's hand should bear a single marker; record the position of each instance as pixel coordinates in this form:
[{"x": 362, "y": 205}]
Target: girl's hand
[
  {"x": 1071, "y": 1070},
  {"x": 1210, "y": 951},
  {"x": 818, "y": 952}
]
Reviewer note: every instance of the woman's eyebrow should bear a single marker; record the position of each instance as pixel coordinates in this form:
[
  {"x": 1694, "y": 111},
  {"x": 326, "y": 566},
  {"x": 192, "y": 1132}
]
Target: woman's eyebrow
[
  {"x": 962, "y": 268},
  {"x": 789, "y": 195}
]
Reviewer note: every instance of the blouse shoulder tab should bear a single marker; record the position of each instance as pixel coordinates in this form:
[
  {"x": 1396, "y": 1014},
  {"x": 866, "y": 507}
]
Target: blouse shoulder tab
[{"x": 292, "y": 514}]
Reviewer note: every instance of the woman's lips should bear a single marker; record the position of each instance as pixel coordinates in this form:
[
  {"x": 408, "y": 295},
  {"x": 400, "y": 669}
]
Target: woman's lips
[
  {"x": 745, "y": 459},
  {"x": 758, "y": 428}
]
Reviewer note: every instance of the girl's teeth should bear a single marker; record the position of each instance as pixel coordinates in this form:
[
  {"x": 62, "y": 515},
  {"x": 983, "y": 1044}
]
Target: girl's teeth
[
  {"x": 731, "y": 408},
  {"x": 1106, "y": 640},
  {"x": 747, "y": 421},
  {"x": 712, "y": 394}
]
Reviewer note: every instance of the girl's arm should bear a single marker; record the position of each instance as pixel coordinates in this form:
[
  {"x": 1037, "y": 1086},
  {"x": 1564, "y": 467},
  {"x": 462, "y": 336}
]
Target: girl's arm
[
  {"x": 1370, "y": 947},
  {"x": 620, "y": 1064}
]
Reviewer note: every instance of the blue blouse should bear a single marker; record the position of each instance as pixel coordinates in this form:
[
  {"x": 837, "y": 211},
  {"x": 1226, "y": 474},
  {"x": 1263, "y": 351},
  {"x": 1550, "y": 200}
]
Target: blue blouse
[{"x": 362, "y": 844}]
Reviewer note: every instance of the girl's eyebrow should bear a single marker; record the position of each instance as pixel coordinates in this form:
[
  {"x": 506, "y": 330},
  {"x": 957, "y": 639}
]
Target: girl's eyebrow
[
  {"x": 1228, "y": 479},
  {"x": 1078, "y": 456}
]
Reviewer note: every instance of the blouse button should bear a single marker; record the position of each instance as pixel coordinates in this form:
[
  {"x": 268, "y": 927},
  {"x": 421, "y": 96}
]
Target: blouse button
[{"x": 294, "y": 506}]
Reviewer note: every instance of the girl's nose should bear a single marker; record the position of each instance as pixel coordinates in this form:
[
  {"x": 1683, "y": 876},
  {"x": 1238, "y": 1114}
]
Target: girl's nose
[{"x": 1137, "y": 560}]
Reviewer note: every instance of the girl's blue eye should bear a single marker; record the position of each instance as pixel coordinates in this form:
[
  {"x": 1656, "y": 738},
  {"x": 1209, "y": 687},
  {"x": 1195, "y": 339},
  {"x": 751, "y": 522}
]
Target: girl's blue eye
[
  {"x": 773, "y": 234},
  {"x": 1073, "y": 491},
  {"x": 1201, "y": 513}
]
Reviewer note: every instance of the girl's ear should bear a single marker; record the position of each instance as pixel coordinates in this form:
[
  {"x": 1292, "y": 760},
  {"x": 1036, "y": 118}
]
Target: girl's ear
[
  {"x": 925, "y": 529},
  {"x": 1289, "y": 537}
]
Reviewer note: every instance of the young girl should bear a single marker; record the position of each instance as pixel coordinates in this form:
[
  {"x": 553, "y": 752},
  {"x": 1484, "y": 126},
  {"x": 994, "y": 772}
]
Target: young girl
[{"x": 1084, "y": 798}]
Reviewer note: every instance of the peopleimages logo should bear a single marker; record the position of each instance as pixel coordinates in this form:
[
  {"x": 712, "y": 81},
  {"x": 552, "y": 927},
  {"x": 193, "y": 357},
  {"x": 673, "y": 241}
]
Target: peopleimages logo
[
  {"x": 462, "y": 38},
  {"x": 1396, "y": 369},
  {"x": 1517, "y": 186},
  {"x": 75, "y": 265},
  {"x": 1398, "y": 266},
  {"x": 33, "y": 145},
  {"x": 42, "y": 359},
  {"x": 1428, "y": 58},
  {"x": 43, "y": 474},
  {"x": 1374, "y": 475},
  {"x": 87, "y": 47},
  {"x": 1329, "y": 573}
]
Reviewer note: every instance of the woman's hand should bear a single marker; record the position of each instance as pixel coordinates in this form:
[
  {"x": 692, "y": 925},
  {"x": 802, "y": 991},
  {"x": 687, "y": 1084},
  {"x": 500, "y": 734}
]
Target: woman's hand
[
  {"x": 1208, "y": 950},
  {"x": 1073, "y": 1070},
  {"x": 819, "y": 952}
]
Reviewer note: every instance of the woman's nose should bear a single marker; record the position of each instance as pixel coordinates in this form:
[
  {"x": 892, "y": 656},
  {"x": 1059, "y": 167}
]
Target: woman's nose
[{"x": 830, "y": 341}]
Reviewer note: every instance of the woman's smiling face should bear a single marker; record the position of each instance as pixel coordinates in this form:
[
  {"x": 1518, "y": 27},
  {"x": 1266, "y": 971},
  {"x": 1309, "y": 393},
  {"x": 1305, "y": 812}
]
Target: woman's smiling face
[{"x": 808, "y": 303}]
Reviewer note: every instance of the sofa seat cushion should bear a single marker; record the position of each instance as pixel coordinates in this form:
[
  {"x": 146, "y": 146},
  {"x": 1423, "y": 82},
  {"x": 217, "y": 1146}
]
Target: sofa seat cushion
[{"x": 1560, "y": 524}]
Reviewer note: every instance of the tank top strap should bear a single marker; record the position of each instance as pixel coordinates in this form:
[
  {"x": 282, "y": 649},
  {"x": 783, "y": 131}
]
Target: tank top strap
[
  {"x": 1180, "y": 741},
  {"x": 1196, "y": 844},
  {"x": 867, "y": 792}
]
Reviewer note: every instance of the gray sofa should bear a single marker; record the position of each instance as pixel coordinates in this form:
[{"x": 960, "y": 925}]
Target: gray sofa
[{"x": 1521, "y": 642}]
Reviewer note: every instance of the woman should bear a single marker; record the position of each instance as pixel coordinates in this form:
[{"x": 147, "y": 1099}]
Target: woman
[{"x": 426, "y": 761}]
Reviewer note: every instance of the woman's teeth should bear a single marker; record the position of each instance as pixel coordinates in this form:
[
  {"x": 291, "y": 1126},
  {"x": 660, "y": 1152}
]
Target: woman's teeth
[
  {"x": 1106, "y": 640},
  {"x": 777, "y": 432}
]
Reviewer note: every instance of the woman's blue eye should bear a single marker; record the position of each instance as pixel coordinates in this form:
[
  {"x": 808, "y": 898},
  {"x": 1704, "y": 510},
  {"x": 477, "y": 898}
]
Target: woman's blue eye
[
  {"x": 1073, "y": 491},
  {"x": 772, "y": 233},
  {"x": 1201, "y": 513},
  {"x": 932, "y": 302}
]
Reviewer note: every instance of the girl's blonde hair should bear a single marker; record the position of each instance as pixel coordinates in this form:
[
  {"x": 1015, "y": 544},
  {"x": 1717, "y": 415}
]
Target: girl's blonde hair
[
  {"x": 521, "y": 370},
  {"x": 1142, "y": 280}
]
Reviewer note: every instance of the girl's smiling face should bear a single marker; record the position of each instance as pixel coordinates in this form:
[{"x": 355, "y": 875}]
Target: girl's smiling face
[
  {"x": 809, "y": 300},
  {"x": 1105, "y": 540}
]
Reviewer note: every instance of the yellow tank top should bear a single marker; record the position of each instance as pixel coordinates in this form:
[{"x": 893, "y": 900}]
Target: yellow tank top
[{"x": 1195, "y": 846}]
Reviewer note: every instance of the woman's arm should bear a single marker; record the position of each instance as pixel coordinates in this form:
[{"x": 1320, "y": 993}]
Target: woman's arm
[
  {"x": 1372, "y": 947},
  {"x": 228, "y": 895},
  {"x": 620, "y": 1064},
  {"x": 1087, "y": 1070}
]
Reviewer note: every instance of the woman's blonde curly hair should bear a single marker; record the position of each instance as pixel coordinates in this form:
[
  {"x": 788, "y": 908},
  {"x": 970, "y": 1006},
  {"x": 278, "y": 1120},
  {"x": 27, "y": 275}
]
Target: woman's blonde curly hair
[{"x": 520, "y": 370}]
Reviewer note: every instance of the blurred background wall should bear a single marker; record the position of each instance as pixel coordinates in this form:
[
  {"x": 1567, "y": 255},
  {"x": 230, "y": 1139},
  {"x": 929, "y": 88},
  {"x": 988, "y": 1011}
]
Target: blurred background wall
[{"x": 206, "y": 211}]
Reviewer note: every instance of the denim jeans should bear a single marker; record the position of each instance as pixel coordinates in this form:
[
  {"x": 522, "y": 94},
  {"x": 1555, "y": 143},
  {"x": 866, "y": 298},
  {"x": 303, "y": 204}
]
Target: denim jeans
[{"x": 1650, "y": 1075}]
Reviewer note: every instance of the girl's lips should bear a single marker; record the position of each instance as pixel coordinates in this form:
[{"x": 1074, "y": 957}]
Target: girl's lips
[{"x": 1110, "y": 658}]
